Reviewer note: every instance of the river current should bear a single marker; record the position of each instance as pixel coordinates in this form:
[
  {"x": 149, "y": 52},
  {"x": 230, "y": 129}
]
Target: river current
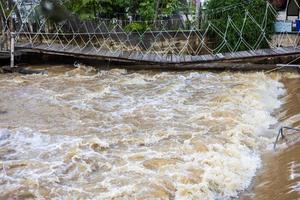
[{"x": 87, "y": 134}]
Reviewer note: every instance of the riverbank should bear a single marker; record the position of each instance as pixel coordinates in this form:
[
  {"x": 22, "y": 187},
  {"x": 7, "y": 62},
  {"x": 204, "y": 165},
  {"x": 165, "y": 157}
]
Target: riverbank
[{"x": 279, "y": 177}]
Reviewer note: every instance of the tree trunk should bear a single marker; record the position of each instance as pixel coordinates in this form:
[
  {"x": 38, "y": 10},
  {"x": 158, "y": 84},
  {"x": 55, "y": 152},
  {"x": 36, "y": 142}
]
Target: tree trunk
[
  {"x": 2, "y": 28},
  {"x": 198, "y": 13},
  {"x": 17, "y": 12},
  {"x": 2, "y": 34},
  {"x": 156, "y": 9},
  {"x": 4, "y": 23},
  {"x": 11, "y": 20},
  {"x": 186, "y": 13},
  {"x": 10, "y": 24}
]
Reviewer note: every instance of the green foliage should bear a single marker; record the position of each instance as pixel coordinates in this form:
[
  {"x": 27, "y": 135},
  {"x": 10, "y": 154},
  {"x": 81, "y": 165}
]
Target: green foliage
[
  {"x": 170, "y": 7},
  {"x": 144, "y": 9},
  {"x": 88, "y": 9},
  {"x": 147, "y": 9},
  {"x": 217, "y": 12},
  {"x": 53, "y": 10},
  {"x": 136, "y": 26},
  {"x": 4, "y": 8}
]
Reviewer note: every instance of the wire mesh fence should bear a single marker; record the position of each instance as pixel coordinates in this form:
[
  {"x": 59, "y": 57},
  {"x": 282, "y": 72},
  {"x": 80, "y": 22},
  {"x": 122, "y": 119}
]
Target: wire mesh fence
[{"x": 177, "y": 35}]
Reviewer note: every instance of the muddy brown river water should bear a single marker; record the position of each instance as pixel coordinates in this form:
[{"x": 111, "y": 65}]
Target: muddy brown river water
[
  {"x": 86, "y": 134},
  {"x": 279, "y": 177}
]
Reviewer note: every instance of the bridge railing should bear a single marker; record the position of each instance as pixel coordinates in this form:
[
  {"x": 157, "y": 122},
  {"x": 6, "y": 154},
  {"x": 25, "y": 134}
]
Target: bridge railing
[{"x": 174, "y": 36}]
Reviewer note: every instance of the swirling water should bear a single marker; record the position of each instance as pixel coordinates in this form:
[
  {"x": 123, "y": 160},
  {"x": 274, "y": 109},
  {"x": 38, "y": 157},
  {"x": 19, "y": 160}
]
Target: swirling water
[{"x": 116, "y": 134}]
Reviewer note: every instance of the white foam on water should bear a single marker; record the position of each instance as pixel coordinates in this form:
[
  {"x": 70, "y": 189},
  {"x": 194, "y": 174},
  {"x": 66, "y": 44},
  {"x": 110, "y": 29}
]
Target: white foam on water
[{"x": 169, "y": 135}]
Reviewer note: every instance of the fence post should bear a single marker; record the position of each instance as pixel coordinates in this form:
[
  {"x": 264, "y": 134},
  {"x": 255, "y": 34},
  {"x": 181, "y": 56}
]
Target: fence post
[{"x": 12, "y": 49}]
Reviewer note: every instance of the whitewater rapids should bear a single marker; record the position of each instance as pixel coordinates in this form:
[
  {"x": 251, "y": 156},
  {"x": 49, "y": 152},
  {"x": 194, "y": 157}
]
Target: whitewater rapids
[{"x": 88, "y": 134}]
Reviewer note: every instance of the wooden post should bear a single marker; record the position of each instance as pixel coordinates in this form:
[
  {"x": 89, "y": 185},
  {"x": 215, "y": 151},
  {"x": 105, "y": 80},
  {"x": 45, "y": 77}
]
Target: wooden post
[{"x": 12, "y": 49}]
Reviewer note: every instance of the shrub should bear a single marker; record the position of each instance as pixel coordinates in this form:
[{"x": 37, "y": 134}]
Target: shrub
[
  {"x": 218, "y": 12},
  {"x": 136, "y": 26}
]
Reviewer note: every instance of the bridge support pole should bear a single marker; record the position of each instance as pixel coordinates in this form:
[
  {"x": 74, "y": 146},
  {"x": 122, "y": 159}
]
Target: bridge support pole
[{"x": 12, "y": 49}]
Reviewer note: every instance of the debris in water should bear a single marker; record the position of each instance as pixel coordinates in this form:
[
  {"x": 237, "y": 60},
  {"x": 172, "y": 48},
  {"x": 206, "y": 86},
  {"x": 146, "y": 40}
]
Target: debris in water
[{"x": 283, "y": 137}]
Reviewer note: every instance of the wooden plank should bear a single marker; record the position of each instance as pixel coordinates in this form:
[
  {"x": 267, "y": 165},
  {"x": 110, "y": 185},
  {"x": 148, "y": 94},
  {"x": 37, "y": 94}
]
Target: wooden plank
[
  {"x": 159, "y": 58},
  {"x": 277, "y": 52},
  {"x": 196, "y": 58},
  {"x": 248, "y": 53},
  {"x": 55, "y": 47},
  {"x": 281, "y": 50},
  {"x": 243, "y": 55},
  {"x": 93, "y": 52},
  {"x": 257, "y": 52},
  {"x": 182, "y": 58},
  {"x": 169, "y": 59},
  {"x": 252, "y": 52},
  {"x": 298, "y": 48},
  {"x": 227, "y": 55},
  {"x": 69, "y": 49},
  {"x": 23, "y": 45},
  {"x": 75, "y": 49},
  {"x": 42, "y": 47},
  {"x": 115, "y": 54},
  {"x": 188, "y": 58},
  {"x": 289, "y": 49},
  {"x": 209, "y": 57},
  {"x": 200, "y": 58},
  {"x": 125, "y": 54},
  {"x": 147, "y": 57},
  {"x": 134, "y": 55},
  {"x": 87, "y": 50},
  {"x": 140, "y": 56},
  {"x": 150, "y": 57},
  {"x": 238, "y": 55},
  {"x": 108, "y": 53},
  {"x": 215, "y": 57},
  {"x": 220, "y": 56},
  {"x": 209, "y": 66},
  {"x": 102, "y": 52},
  {"x": 175, "y": 59}
]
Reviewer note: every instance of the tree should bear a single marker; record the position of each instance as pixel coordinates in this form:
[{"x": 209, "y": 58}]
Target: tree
[
  {"x": 218, "y": 12},
  {"x": 54, "y": 10},
  {"x": 145, "y": 9},
  {"x": 88, "y": 9},
  {"x": 10, "y": 20}
]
